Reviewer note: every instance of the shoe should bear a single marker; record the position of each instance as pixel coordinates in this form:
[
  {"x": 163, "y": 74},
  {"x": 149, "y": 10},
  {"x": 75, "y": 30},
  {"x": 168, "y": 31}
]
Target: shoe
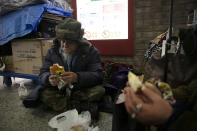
[{"x": 74, "y": 104}]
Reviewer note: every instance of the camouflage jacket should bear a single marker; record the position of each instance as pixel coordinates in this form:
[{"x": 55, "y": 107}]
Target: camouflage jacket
[{"x": 187, "y": 120}]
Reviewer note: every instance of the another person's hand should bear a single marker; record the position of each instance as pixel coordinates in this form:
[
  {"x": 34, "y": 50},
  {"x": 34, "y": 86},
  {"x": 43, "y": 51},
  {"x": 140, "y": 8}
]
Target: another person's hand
[
  {"x": 69, "y": 77},
  {"x": 53, "y": 80},
  {"x": 153, "y": 109}
]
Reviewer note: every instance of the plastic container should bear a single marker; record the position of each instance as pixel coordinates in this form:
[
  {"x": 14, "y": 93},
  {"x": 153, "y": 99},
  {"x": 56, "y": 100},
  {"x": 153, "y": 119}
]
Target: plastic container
[{"x": 22, "y": 91}]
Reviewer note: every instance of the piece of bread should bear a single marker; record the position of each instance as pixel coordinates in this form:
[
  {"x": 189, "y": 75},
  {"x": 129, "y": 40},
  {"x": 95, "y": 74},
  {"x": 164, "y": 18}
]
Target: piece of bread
[
  {"x": 134, "y": 81},
  {"x": 56, "y": 69},
  {"x": 77, "y": 128}
]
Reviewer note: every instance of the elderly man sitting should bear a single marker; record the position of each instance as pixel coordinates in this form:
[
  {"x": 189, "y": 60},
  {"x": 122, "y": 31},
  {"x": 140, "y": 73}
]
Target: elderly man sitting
[{"x": 81, "y": 81}]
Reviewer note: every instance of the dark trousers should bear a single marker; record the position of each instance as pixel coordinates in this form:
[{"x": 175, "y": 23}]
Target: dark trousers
[{"x": 123, "y": 122}]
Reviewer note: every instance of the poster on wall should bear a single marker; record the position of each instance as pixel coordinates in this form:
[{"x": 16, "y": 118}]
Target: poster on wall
[{"x": 103, "y": 19}]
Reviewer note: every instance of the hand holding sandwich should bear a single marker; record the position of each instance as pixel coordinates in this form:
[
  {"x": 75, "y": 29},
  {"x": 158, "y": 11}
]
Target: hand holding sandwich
[
  {"x": 69, "y": 77},
  {"x": 153, "y": 109}
]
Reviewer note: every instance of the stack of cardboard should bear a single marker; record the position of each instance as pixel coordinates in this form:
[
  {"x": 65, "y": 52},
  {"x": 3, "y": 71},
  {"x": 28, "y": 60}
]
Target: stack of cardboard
[
  {"x": 28, "y": 33},
  {"x": 28, "y": 55}
]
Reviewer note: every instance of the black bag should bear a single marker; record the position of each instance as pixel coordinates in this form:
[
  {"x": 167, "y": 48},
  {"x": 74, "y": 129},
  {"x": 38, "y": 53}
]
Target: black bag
[{"x": 188, "y": 38}]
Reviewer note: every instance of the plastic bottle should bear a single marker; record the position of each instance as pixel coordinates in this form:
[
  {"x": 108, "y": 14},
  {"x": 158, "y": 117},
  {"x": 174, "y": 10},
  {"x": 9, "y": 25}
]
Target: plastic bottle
[{"x": 22, "y": 91}]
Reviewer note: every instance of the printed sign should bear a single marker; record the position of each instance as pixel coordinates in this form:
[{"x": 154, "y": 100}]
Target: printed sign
[{"x": 103, "y": 19}]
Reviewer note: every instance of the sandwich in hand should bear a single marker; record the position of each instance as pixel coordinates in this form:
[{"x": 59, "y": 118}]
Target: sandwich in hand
[
  {"x": 56, "y": 69},
  {"x": 135, "y": 83}
]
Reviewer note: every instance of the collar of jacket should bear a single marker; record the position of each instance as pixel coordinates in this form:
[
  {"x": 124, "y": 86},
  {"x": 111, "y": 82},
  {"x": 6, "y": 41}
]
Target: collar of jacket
[{"x": 83, "y": 48}]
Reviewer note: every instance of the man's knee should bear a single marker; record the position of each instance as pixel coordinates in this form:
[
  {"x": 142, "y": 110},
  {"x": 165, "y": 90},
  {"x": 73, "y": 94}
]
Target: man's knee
[
  {"x": 90, "y": 94},
  {"x": 97, "y": 91}
]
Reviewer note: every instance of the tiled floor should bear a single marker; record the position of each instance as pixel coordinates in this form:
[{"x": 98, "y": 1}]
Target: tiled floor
[{"x": 15, "y": 117}]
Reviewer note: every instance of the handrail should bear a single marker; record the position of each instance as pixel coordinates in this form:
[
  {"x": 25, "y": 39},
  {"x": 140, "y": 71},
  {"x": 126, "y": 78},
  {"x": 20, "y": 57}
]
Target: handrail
[{"x": 12, "y": 74}]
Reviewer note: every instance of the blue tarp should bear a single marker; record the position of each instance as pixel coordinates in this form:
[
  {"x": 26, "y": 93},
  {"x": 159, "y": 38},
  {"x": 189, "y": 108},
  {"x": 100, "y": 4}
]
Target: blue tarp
[{"x": 25, "y": 20}]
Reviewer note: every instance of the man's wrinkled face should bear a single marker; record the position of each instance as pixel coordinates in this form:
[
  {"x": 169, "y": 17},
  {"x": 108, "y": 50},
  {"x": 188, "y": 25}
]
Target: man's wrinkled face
[{"x": 68, "y": 47}]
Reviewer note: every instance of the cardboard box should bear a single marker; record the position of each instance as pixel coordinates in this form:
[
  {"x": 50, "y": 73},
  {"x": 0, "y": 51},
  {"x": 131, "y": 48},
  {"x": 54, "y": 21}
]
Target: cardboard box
[
  {"x": 46, "y": 45},
  {"x": 28, "y": 55},
  {"x": 9, "y": 66}
]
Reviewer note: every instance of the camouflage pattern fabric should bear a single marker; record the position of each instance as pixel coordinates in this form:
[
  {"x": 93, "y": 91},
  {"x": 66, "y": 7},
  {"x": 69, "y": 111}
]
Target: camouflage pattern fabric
[
  {"x": 87, "y": 99},
  {"x": 187, "y": 120},
  {"x": 89, "y": 94},
  {"x": 58, "y": 101},
  {"x": 54, "y": 99}
]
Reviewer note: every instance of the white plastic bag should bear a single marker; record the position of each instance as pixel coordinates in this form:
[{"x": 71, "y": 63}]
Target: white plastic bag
[{"x": 65, "y": 121}]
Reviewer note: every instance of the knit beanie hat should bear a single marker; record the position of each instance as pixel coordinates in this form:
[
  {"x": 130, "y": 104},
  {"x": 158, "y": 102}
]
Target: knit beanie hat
[{"x": 69, "y": 29}]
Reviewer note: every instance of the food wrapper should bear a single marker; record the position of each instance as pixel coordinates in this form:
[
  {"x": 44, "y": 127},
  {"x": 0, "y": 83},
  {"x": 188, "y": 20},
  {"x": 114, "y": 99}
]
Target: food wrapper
[{"x": 164, "y": 88}]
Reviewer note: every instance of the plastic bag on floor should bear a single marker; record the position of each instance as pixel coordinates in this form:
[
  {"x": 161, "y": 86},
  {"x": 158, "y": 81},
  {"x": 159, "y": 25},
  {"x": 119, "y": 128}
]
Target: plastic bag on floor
[{"x": 72, "y": 121}]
